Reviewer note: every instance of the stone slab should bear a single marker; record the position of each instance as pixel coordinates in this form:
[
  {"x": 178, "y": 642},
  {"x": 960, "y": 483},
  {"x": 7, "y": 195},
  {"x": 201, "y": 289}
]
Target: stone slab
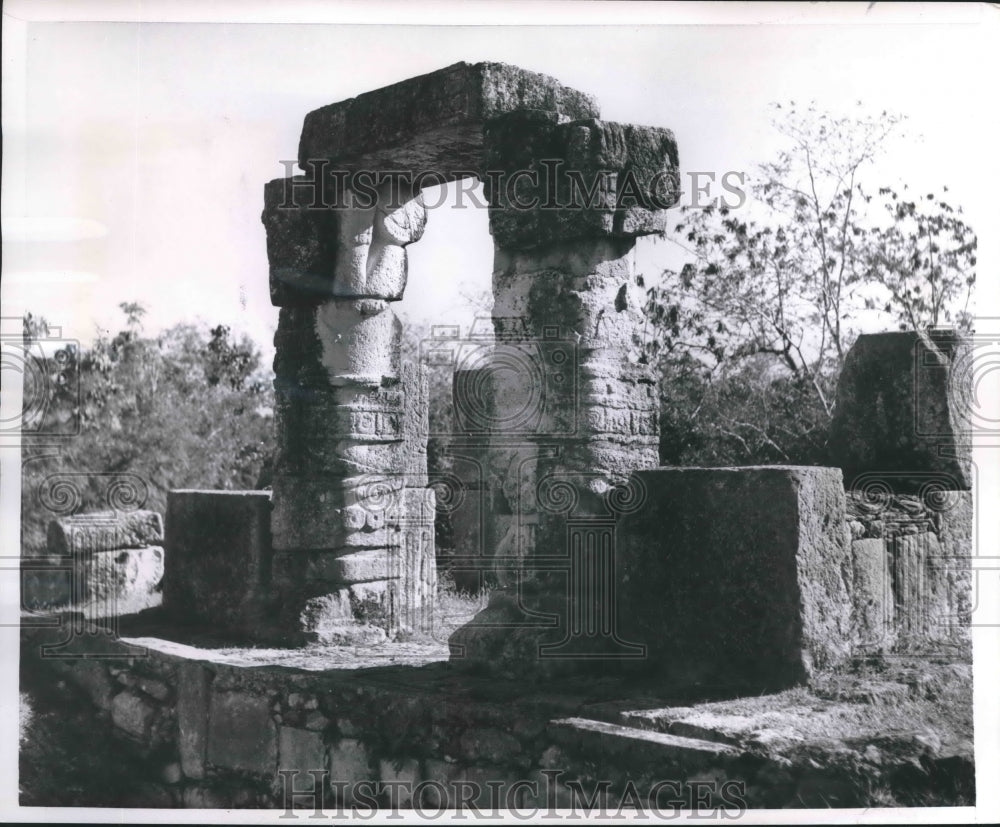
[
  {"x": 737, "y": 575},
  {"x": 218, "y": 556},
  {"x": 903, "y": 412},
  {"x": 241, "y": 734},
  {"x": 192, "y": 717},
  {"x": 637, "y": 745},
  {"x": 104, "y": 531},
  {"x": 431, "y": 122},
  {"x": 301, "y": 750},
  {"x": 873, "y": 617},
  {"x": 930, "y": 589}
]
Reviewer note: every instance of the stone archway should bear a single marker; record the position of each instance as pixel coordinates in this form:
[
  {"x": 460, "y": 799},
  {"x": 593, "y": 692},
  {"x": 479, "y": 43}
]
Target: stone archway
[{"x": 568, "y": 195}]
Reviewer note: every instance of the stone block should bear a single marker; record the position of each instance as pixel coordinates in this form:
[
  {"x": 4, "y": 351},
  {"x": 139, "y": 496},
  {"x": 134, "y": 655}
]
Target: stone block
[
  {"x": 433, "y": 122},
  {"x": 192, "y": 717},
  {"x": 104, "y": 531},
  {"x": 241, "y": 734},
  {"x": 902, "y": 417},
  {"x": 301, "y": 242},
  {"x": 737, "y": 575},
  {"x": 932, "y": 591},
  {"x": 595, "y": 179},
  {"x": 300, "y": 749},
  {"x": 133, "y": 714},
  {"x": 873, "y": 616},
  {"x": 400, "y": 778},
  {"x": 125, "y": 581},
  {"x": 489, "y": 745},
  {"x": 350, "y": 764},
  {"x": 355, "y": 567},
  {"x": 356, "y": 615},
  {"x": 98, "y": 583},
  {"x": 218, "y": 556},
  {"x": 92, "y": 676}
]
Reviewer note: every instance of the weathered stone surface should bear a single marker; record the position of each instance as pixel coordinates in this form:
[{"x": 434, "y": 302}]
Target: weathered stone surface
[
  {"x": 490, "y": 745},
  {"x": 873, "y": 617},
  {"x": 300, "y": 749},
  {"x": 133, "y": 714},
  {"x": 566, "y": 383},
  {"x": 636, "y": 745},
  {"x": 595, "y": 179},
  {"x": 931, "y": 590},
  {"x": 432, "y": 122},
  {"x": 219, "y": 556},
  {"x": 400, "y": 778},
  {"x": 763, "y": 558},
  {"x": 350, "y": 763},
  {"x": 104, "y": 531},
  {"x": 92, "y": 676},
  {"x": 356, "y": 615},
  {"x": 301, "y": 242},
  {"x": 903, "y": 412},
  {"x": 192, "y": 717},
  {"x": 371, "y": 259},
  {"x": 416, "y": 427},
  {"x": 356, "y": 567},
  {"x": 241, "y": 734},
  {"x": 416, "y": 564},
  {"x": 955, "y": 524},
  {"x": 97, "y": 583},
  {"x": 335, "y": 513}
]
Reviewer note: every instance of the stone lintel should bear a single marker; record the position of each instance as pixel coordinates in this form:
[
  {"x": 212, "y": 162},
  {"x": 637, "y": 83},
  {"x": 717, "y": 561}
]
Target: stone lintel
[{"x": 434, "y": 121}]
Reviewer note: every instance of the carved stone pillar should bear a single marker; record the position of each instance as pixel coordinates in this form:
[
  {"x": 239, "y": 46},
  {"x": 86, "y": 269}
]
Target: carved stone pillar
[
  {"x": 576, "y": 408},
  {"x": 344, "y": 450}
]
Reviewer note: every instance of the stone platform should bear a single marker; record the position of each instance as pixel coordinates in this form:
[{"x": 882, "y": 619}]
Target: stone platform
[{"x": 205, "y": 725}]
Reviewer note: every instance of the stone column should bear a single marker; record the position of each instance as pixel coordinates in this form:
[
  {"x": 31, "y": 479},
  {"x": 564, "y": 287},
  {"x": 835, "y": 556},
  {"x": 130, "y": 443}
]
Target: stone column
[
  {"x": 576, "y": 407},
  {"x": 341, "y": 417}
]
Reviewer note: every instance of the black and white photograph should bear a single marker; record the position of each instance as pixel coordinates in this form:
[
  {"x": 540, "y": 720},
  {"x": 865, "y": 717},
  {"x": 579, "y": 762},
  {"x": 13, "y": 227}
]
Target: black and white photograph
[{"x": 500, "y": 412}]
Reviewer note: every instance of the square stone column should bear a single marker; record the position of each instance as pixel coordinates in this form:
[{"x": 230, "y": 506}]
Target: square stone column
[
  {"x": 574, "y": 407},
  {"x": 346, "y": 438}
]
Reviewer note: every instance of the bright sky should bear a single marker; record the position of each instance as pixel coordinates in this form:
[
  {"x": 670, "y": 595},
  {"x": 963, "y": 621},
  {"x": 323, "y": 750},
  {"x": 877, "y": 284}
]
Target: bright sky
[{"x": 136, "y": 153}]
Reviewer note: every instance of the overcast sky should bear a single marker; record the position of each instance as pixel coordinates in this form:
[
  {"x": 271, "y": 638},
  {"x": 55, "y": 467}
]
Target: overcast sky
[{"x": 144, "y": 147}]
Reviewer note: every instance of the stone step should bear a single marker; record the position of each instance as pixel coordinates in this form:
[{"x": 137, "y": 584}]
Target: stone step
[{"x": 609, "y": 740}]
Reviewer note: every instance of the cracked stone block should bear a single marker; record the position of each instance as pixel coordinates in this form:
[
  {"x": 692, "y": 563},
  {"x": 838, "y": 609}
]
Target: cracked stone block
[
  {"x": 737, "y": 575},
  {"x": 902, "y": 419},
  {"x": 431, "y": 122},
  {"x": 241, "y": 734},
  {"x": 218, "y": 556}
]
